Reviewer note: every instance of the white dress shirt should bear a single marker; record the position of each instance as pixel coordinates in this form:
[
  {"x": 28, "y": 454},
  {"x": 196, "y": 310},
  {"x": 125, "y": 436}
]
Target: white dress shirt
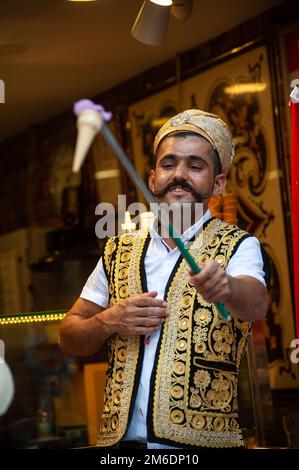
[{"x": 247, "y": 260}]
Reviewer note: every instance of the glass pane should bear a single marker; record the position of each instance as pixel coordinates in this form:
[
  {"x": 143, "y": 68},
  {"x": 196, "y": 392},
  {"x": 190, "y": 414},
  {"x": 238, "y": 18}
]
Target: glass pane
[{"x": 58, "y": 398}]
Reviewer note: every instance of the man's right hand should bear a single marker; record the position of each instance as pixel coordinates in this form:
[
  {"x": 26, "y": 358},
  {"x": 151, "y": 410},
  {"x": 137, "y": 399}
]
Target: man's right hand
[
  {"x": 137, "y": 315},
  {"x": 87, "y": 326}
]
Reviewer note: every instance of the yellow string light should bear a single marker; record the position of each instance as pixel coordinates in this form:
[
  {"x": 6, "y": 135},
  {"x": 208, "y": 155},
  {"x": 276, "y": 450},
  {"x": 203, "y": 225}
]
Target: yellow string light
[{"x": 31, "y": 318}]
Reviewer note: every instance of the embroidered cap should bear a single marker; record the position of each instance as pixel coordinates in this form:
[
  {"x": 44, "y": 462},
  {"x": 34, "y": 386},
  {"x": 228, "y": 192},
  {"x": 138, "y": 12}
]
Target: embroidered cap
[{"x": 209, "y": 126}]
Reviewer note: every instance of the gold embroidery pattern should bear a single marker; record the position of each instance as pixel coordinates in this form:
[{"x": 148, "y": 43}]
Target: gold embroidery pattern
[
  {"x": 215, "y": 389},
  {"x": 189, "y": 407},
  {"x": 124, "y": 272},
  {"x": 205, "y": 351}
]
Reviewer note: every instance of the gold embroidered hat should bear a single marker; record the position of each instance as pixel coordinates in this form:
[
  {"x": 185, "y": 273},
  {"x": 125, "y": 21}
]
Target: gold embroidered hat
[{"x": 207, "y": 125}]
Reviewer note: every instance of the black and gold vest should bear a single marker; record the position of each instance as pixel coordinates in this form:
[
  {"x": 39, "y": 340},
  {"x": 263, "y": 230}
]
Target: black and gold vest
[{"x": 193, "y": 392}]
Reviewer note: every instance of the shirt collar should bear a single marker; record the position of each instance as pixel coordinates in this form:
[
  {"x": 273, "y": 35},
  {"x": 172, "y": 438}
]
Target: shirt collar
[{"x": 189, "y": 233}]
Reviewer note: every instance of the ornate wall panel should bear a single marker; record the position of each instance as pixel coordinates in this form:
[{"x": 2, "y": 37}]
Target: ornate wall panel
[{"x": 254, "y": 177}]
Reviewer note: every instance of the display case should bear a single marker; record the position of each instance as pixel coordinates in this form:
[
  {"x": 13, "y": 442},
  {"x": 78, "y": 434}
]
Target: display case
[{"x": 58, "y": 399}]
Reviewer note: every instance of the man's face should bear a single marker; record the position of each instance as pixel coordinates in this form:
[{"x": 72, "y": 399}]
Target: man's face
[{"x": 185, "y": 171}]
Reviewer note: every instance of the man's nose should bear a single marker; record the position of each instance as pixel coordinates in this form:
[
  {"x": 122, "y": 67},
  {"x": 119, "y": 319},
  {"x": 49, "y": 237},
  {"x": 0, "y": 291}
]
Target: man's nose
[{"x": 180, "y": 171}]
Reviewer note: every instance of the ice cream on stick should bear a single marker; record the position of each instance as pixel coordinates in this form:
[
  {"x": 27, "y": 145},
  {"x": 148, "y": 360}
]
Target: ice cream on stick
[{"x": 90, "y": 121}]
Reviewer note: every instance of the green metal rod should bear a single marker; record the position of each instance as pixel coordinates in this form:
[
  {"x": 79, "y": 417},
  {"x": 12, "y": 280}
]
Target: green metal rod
[
  {"x": 193, "y": 265},
  {"x": 109, "y": 137}
]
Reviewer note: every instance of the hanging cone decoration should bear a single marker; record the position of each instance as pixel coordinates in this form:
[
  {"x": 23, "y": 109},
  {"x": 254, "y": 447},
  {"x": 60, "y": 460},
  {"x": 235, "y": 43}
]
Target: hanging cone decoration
[
  {"x": 230, "y": 208},
  {"x": 215, "y": 206}
]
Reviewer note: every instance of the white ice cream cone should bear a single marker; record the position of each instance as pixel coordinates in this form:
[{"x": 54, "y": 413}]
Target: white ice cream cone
[{"x": 89, "y": 124}]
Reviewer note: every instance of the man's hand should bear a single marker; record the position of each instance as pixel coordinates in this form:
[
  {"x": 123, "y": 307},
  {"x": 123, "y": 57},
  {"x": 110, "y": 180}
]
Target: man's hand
[
  {"x": 244, "y": 296},
  {"x": 212, "y": 282},
  {"x": 137, "y": 315},
  {"x": 87, "y": 326}
]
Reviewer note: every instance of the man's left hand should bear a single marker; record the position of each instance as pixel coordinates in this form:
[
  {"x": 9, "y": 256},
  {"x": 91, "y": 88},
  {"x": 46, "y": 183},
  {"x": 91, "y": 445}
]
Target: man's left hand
[
  {"x": 212, "y": 282},
  {"x": 244, "y": 296}
]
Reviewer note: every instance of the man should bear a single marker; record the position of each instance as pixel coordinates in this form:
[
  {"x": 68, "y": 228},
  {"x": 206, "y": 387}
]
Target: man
[{"x": 174, "y": 361}]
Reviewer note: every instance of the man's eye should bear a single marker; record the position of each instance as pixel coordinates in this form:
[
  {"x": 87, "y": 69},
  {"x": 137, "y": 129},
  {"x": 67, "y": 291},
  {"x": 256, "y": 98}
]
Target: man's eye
[
  {"x": 194, "y": 167},
  {"x": 167, "y": 165}
]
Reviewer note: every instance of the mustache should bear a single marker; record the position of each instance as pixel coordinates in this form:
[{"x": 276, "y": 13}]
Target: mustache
[{"x": 199, "y": 197}]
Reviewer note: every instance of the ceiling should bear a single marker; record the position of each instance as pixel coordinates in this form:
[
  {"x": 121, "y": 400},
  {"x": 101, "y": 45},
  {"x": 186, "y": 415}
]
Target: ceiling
[{"x": 53, "y": 52}]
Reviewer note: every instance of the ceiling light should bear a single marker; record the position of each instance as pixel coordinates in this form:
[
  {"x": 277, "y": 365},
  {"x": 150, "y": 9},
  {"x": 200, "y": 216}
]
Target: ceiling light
[
  {"x": 151, "y": 23},
  {"x": 181, "y": 9},
  {"x": 165, "y": 3},
  {"x": 105, "y": 174},
  {"x": 241, "y": 88}
]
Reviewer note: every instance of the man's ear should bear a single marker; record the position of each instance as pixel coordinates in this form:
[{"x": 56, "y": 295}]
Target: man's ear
[
  {"x": 151, "y": 180},
  {"x": 219, "y": 184}
]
